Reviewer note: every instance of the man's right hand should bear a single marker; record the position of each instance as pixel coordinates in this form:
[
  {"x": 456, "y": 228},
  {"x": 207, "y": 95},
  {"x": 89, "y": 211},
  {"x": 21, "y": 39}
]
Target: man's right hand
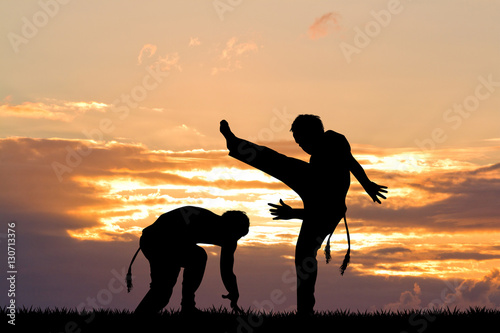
[{"x": 283, "y": 212}]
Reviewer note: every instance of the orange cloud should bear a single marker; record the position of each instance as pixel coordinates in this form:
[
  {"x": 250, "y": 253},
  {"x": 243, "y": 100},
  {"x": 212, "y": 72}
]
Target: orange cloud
[
  {"x": 163, "y": 63},
  {"x": 169, "y": 61},
  {"x": 50, "y": 109},
  {"x": 323, "y": 25},
  {"x": 230, "y": 55},
  {"x": 147, "y": 50},
  {"x": 194, "y": 41}
]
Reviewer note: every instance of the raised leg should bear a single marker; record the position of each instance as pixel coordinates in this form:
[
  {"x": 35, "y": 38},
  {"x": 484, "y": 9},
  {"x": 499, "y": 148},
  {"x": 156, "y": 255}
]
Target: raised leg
[{"x": 295, "y": 173}]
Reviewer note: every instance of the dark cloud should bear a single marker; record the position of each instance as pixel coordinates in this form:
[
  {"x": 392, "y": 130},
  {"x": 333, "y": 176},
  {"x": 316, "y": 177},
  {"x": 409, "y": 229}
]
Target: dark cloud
[
  {"x": 408, "y": 300},
  {"x": 399, "y": 268},
  {"x": 466, "y": 255},
  {"x": 390, "y": 250},
  {"x": 482, "y": 293},
  {"x": 470, "y": 202}
]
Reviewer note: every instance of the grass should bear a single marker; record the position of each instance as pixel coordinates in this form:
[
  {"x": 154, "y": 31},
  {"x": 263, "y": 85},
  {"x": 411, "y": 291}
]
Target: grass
[{"x": 221, "y": 320}]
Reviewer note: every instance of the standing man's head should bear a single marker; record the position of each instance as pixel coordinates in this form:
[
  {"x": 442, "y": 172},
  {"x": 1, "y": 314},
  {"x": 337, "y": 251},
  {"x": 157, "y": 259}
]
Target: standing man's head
[
  {"x": 307, "y": 131},
  {"x": 236, "y": 222}
]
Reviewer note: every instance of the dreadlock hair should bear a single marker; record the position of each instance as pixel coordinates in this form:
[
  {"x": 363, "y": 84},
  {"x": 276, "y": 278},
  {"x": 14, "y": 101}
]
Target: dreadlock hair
[
  {"x": 128, "y": 279},
  {"x": 347, "y": 257}
]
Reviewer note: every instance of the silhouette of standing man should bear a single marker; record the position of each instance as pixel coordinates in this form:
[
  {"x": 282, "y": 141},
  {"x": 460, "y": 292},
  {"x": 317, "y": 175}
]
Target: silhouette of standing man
[
  {"x": 171, "y": 243},
  {"x": 322, "y": 184}
]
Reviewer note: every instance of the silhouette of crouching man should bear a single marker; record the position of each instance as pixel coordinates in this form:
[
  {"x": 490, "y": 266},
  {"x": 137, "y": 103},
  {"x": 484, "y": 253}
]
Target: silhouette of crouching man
[{"x": 171, "y": 243}]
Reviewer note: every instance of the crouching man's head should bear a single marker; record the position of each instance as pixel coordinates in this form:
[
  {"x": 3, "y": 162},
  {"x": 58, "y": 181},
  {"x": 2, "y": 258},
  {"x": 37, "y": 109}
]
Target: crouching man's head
[{"x": 236, "y": 223}]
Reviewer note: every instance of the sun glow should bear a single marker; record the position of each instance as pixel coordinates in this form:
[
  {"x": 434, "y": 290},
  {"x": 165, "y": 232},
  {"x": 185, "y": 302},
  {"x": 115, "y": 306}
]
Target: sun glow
[
  {"x": 224, "y": 173},
  {"x": 134, "y": 204},
  {"x": 412, "y": 162}
]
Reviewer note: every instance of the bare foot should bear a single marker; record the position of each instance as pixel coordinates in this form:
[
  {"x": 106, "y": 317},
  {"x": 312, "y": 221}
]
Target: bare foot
[{"x": 226, "y": 131}]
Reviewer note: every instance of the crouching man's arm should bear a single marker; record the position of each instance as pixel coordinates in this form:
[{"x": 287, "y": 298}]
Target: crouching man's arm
[{"x": 227, "y": 275}]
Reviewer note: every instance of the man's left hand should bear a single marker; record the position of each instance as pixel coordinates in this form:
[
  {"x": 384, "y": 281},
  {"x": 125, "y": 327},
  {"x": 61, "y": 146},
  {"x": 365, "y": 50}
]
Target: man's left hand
[{"x": 374, "y": 191}]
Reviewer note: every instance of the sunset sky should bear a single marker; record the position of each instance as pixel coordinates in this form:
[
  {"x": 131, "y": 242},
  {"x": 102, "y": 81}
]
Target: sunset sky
[{"x": 109, "y": 116}]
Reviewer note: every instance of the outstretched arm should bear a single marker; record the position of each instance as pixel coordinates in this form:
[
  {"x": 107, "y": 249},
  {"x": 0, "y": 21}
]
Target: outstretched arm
[
  {"x": 227, "y": 275},
  {"x": 285, "y": 212},
  {"x": 374, "y": 190}
]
